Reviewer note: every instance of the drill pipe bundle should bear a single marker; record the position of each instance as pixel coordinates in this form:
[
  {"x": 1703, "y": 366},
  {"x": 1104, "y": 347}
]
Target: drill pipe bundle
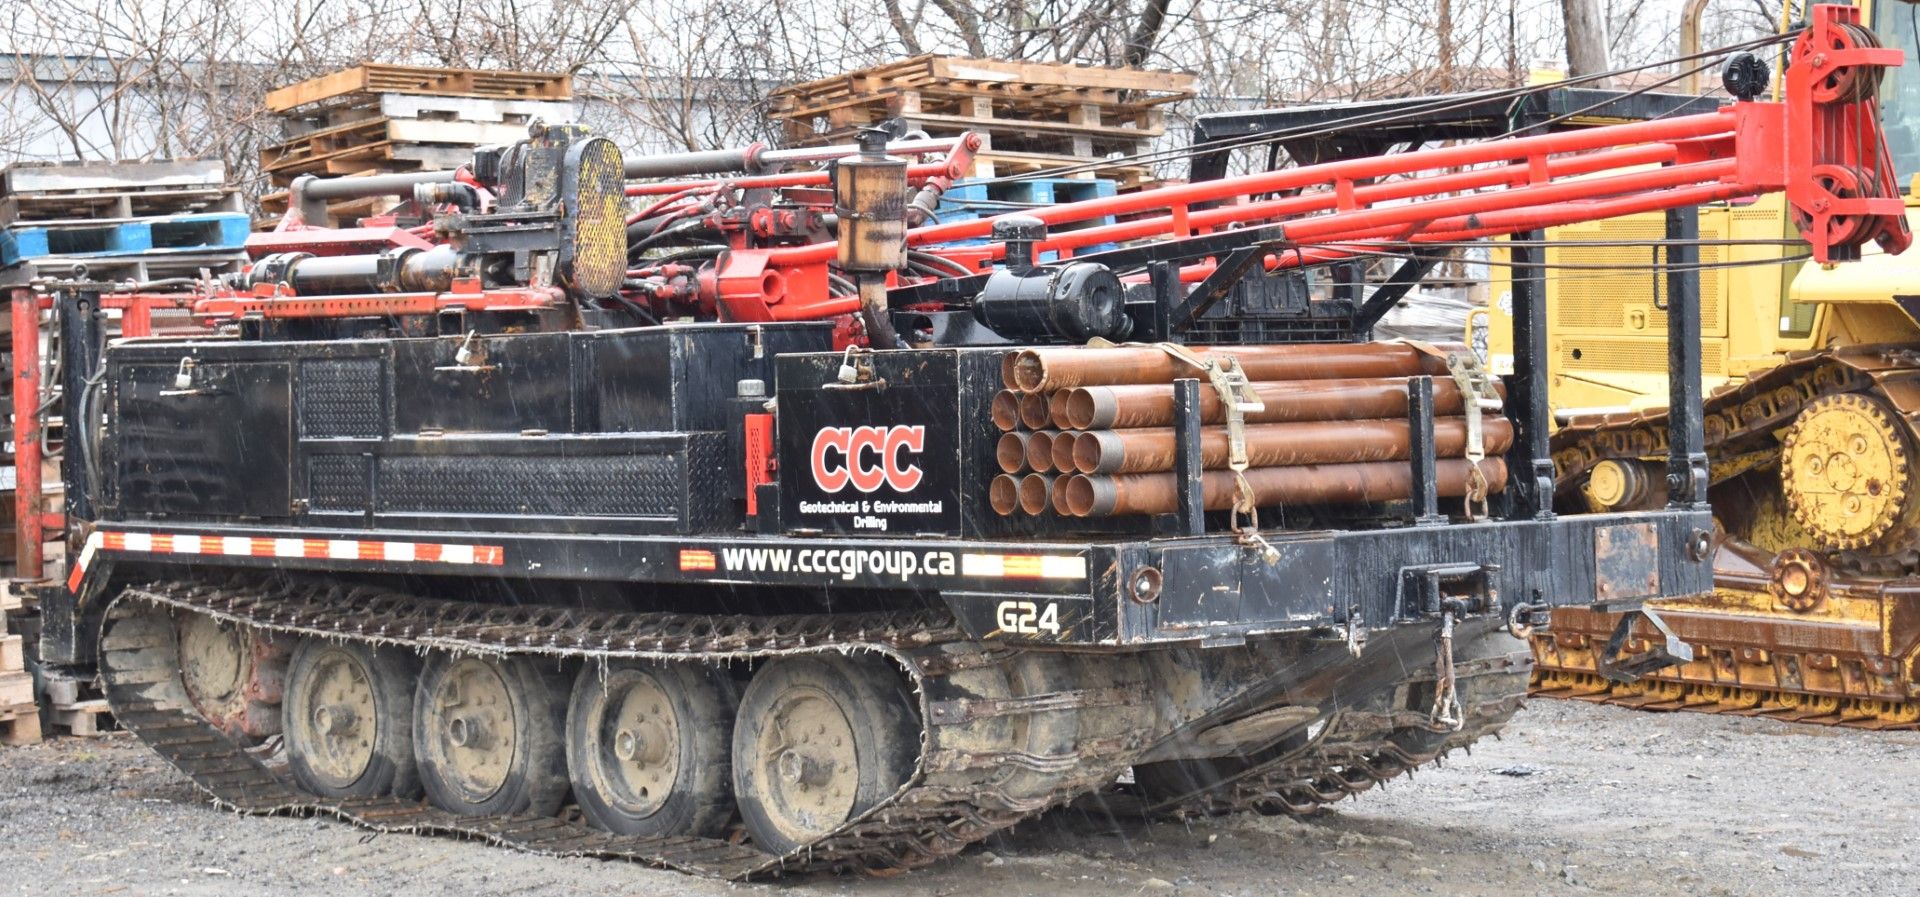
[
  {"x": 1277, "y": 445},
  {"x": 1087, "y": 432},
  {"x": 1045, "y": 370},
  {"x": 1317, "y": 484}
]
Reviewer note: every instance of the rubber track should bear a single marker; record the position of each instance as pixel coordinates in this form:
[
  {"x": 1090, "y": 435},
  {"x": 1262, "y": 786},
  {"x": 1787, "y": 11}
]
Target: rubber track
[{"x": 918, "y": 825}]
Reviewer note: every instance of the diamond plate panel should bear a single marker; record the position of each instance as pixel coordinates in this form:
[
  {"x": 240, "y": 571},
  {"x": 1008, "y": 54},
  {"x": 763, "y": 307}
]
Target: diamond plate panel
[
  {"x": 341, "y": 397},
  {"x": 337, "y": 482},
  {"x": 608, "y": 486}
]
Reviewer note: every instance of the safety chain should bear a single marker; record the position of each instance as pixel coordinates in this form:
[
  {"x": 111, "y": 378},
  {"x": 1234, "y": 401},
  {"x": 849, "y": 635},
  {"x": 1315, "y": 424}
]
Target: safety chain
[{"x": 1446, "y": 694}]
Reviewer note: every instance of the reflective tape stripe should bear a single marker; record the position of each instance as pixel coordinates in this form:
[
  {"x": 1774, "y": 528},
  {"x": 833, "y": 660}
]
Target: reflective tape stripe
[
  {"x": 313, "y": 549},
  {"x": 1023, "y": 566},
  {"x": 1063, "y": 567},
  {"x": 79, "y": 572}
]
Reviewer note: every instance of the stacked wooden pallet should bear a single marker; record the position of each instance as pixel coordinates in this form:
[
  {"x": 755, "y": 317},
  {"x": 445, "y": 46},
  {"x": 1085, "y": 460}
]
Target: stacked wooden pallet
[
  {"x": 1034, "y": 116},
  {"x": 19, "y": 715},
  {"x": 118, "y": 220},
  {"x": 376, "y": 119},
  {"x": 76, "y": 707}
]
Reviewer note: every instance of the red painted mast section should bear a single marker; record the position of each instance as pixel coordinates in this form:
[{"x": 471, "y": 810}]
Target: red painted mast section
[{"x": 26, "y": 437}]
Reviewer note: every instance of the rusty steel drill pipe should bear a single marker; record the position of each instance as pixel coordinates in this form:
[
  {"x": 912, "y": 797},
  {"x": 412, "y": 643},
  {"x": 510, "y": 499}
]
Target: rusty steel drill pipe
[
  {"x": 1040, "y": 451},
  {"x": 1047, "y": 369},
  {"x": 1279, "y": 445},
  {"x": 1063, "y": 444},
  {"x": 1011, "y": 452},
  {"x": 1006, "y": 410},
  {"x": 1033, "y": 411},
  {"x": 1003, "y": 494},
  {"x": 1057, "y": 409},
  {"x": 1151, "y": 405},
  {"x": 1036, "y": 490},
  {"x": 1315, "y": 484}
]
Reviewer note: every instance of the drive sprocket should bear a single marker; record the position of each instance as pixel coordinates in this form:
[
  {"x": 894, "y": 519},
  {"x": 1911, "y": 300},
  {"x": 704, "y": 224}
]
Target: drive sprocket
[{"x": 1846, "y": 469}]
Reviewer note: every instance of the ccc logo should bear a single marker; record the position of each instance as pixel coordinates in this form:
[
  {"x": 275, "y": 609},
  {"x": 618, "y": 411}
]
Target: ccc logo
[{"x": 867, "y": 458}]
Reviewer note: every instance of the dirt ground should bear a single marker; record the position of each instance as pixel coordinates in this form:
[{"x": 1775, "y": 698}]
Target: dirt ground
[{"x": 1575, "y": 799}]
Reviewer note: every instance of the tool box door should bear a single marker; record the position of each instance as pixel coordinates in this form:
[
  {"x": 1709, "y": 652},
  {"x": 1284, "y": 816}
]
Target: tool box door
[{"x": 219, "y": 447}]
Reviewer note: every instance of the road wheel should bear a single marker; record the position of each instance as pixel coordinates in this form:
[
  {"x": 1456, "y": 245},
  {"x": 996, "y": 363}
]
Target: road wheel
[
  {"x": 487, "y": 732},
  {"x": 818, "y": 741},
  {"x": 349, "y": 719},
  {"x": 649, "y": 748},
  {"x": 233, "y": 675}
]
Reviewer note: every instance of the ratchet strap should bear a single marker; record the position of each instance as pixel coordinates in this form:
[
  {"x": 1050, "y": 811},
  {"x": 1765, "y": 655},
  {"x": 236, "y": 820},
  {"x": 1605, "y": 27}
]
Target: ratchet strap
[
  {"x": 1229, "y": 381},
  {"x": 1477, "y": 399}
]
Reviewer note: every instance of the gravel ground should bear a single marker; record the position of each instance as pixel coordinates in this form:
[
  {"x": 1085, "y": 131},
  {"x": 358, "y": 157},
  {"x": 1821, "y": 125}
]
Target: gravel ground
[{"x": 1575, "y": 799}]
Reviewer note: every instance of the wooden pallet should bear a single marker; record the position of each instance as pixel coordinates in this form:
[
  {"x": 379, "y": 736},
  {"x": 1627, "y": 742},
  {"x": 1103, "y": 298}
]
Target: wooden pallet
[
  {"x": 1029, "y": 82},
  {"x": 363, "y": 146},
  {"x": 136, "y": 267},
  {"x": 20, "y": 724},
  {"x": 78, "y": 708},
  {"x": 116, "y": 204},
  {"x": 85, "y": 719},
  {"x": 30, "y": 193},
  {"x": 16, "y": 687},
  {"x": 1033, "y": 109},
  {"x": 79, "y": 177},
  {"x": 377, "y": 79},
  {"x": 418, "y": 107},
  {"x": 1032, "y": 115}
]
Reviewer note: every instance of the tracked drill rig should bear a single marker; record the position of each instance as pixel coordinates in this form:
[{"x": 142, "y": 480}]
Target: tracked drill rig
[
  {"x": 1810, "y": 441},
  {"x": 778, "y": 526}
]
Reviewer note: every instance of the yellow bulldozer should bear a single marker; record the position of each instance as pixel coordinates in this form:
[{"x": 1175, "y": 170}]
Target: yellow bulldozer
[{"x": 1813, "y": 440}]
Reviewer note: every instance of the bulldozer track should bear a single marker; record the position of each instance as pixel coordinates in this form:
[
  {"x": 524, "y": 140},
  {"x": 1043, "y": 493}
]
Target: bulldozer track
[
  {"x": 1739, "y": 422},
  {"x": 955, "y": 797},
  {"x": 1742, "y": 425},
  {"x": 1770, "y": 703}
]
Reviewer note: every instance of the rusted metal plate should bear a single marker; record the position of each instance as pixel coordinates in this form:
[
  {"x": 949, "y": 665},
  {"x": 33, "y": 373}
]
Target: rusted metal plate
[{"x": 1626, "y": 561}]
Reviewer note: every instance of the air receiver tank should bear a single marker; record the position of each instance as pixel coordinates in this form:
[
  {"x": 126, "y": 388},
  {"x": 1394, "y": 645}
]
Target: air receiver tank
[
  {"x": 1075, "y": 302},
  {"x": 870, "y": 199}
]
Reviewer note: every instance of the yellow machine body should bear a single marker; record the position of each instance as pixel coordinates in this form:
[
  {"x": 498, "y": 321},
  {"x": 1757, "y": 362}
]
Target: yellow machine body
[{"x": 1813, "y": 423}]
